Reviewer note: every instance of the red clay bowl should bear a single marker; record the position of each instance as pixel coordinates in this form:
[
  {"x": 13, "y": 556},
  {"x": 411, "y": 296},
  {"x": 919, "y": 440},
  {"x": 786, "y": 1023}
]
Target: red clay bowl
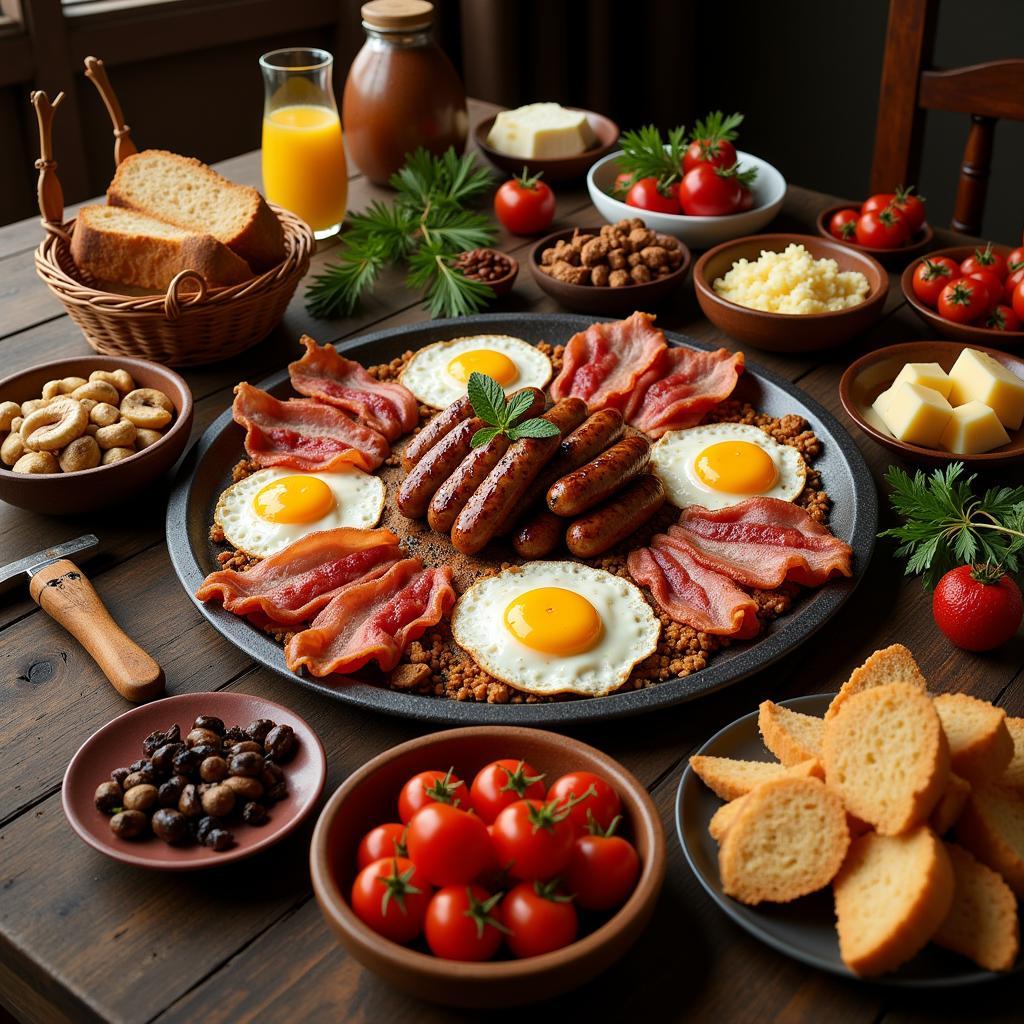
[
  {"x": 501, "y": 285},
  {"x": 120, "y": 742},
  {"x": 888, "y": 257},
  {"x": 368, "y": 797},
  {"x": 785, "y": 332},
  {"x": 90, "y": 489},
  {"x": 969, "y": 333},
  {"x": 866, "y": 378}
]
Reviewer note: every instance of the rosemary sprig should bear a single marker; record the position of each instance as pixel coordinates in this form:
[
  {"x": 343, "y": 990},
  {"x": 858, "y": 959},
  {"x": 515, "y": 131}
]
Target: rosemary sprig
[{"x": 644, "y": 154}]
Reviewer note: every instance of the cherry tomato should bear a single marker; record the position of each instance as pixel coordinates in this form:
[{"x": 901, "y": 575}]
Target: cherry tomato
[
  {"x": 909, "y": 207},
  {"x": 1003, "y": 318},
  {"x": 882, "y": 229},
  {"x": 931, "y": 276},
  {"x": 993, "y": 285},
  {"x": 716, "y": 152},
  {"x": 525, "y": 205},
  {"x": 1017, "y": 300},
  {"x": 746, "y": 199},
  {"x": 1013, "y": 279},
  {"x": 646, "y": 194},
  {"x": 978, "y": 607},
  {"x": 985, "y": 259},
  {"x": 502, "y": 783},
  {"x": 427, "y": 788},
  {"x": 391, "y": 897},
  {"x": 878, "y": 202},
  {"x": 533, "y": 840},
  {"x": 843, "y": 225},
  {"x": 596, "y": 799},
  {"x": 449, "y": 846},
  {"x": 603, "y": 870},
  {"x": 381, "y": 842},
  {"x": 623, "y": 181},
  {"x": 963, "y": 301},
  {"x": 538, "y": 918},
  {"x": 460, "y": 923},
  {"x": 709, "y": 191},
  {"x": 1015, "y": 260}
]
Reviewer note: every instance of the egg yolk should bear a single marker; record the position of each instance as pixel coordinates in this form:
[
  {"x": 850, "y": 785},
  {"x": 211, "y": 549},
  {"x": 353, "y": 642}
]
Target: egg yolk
[
  {"x": 484, "y": 360},
  {"x": 554, "y": 621},
  {"x": 294, "y": 499},
  {"x": 736, "y": 467}
]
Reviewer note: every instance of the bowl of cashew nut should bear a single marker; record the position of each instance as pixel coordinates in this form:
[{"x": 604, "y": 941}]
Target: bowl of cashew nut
[{"x": 81, "y": 434}]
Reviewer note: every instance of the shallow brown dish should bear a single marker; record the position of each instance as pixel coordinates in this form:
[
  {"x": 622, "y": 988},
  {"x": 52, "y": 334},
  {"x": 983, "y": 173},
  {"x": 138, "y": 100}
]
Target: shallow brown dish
[
  {"x": 888, "y": 257},
  {"x": 90, "y": 489},
  {"x": 585, "y": 298},
  {"x": 865, "y": 379},
  {"x": 561, "y": 169},
  {"x": 969, "y": 333},
  {"x": 787, "y": 332},
  {"x": 502, "y": 285},
  {"x": 368, "y": 797}
]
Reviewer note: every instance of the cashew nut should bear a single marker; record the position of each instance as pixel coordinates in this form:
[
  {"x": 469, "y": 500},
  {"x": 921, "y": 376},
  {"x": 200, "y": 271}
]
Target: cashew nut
[
  {"x": 69, "y": 384},
  {"x": 51, "y": 389},
  {"x": 29, "y": 407},
  {"x": 16, "y": 424},
  {"x": 147, "y": 407},
  {"x": 121, "y": 379},
  {"x": 9, "y": 411},
  {"x": 117, "y": 435},
  {"x": 82, "y": 453},
  {"x": 103, "y": 414},
  {"x": 88, "y": 404},
  {"x": 92, "y": 429},
  {"x": 54, "y": 426},
  {"x": 12, "y": 449},
  {"x": 98, "y": 391},
  {"x": 144, "y": 438},
  {"x": 116, "y": 455},
  {"x": 37, "y": 462}
]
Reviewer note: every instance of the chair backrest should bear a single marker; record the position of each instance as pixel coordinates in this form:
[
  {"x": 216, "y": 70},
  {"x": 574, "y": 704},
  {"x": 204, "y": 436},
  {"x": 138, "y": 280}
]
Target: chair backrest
[{"x": 910, "y": 86}]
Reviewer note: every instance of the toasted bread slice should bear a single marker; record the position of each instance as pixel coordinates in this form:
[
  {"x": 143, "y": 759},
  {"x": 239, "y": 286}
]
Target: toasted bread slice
[
  {"x": 992, "y": 828},
  {"x": 886, "y": 756},
  {"x": 722, "y": 820},
  {"x": 891, "y": 895},
  {"x": 185, "y": 192},
  {"x": 980, "y": 745},
  {"x": 730, "y": 778},
  {"x": 982, "y": 923},
  {"x": 950, "y": 806},
  {"x": 894, "y": 664},
  {"x": 791, "y": 736},
  {"x": 1014, "y": 773},
  {"x": 788, "y": 839}
]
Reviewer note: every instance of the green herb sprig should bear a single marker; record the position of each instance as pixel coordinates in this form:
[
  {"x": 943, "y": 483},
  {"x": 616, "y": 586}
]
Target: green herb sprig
[
  {"x": 500, "y": 414},
  {"x": 644, "y": 154}
]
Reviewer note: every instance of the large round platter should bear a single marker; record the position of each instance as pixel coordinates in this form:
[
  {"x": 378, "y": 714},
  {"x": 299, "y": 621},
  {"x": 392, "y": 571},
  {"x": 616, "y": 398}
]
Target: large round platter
[{"x": 206, "y": 471}]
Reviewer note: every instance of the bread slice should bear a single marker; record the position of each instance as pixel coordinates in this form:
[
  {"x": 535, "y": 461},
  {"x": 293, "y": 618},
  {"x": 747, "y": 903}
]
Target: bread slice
[
  {"x": 982, "y": 923},
  {"x": 891, "y": 895},
  {"x": 791, "y": 736},
  {"x": 992, "y": 828},
  {"x": 722, "y": 820},
  {"x": 185, "y": 192},
  {"x": 729, "y": 778},
  {"x": 124, "y": 247},
  {"x": 1014, "y": 773},
  {"x": 950, "y": 806},
  {"x": 789, "y": 839},
  {"x": 980, "y": 745},
  {"x": 886, "y": 756},
  {"x": 894, "y": 664}
]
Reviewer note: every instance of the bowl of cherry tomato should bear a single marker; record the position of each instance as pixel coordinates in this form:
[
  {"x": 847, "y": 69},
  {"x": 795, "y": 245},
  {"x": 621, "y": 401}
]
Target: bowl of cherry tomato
[
  {"x": 890, "y": 226},
  {"x": 488, "y": 866},
  {"x": 970, "y": 293}
]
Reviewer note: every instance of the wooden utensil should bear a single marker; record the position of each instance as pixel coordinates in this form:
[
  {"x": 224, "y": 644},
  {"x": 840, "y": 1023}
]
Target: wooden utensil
[
  {"x": 62, "y": 590},
  {"x": 123, "y": 144}
]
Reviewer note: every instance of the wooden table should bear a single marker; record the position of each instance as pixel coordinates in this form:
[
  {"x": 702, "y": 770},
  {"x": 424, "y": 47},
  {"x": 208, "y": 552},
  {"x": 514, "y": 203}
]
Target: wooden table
[{"x": 84, "y": 938}]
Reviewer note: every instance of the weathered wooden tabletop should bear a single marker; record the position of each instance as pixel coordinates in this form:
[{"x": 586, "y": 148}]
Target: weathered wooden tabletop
[{"x": 84, "y": 938}]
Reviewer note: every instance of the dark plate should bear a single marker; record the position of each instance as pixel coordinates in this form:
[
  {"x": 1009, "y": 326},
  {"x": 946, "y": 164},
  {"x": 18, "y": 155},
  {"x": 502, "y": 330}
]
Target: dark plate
[
  {"x": 206, "y": 471},
  {"x": 804, "y": 929}
]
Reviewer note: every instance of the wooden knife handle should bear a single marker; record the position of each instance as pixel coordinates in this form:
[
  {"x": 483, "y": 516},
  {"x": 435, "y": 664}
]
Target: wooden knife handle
[{"x": 66, "y": 595}]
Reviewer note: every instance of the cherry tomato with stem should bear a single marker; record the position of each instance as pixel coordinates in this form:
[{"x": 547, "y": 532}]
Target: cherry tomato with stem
[
  {"x": 533, "y": 840},
  {"x": 592, "y": 797},
  {"x": 931, "y": 276},
  {"x": 993, "y": 285},
  {"x": 525, "y": 205},
  {"x": 391, "y": 897},
  {"x": 710, "y": 191},
  {"x": 650, "y": 194},
  {"x": 881, "y": 229},
  {"x": 978, "y": 607},
  {"x": 985, "y": 259},
  {"x": 381, "y": 842},
  {"x": 843, "y": 225},
  {"x": 449, "y": 846},
  {"x": 462, "y": 923},
  {"x": 603, "y": 869},
  {"x": 1015, "y": 260},
  {"x": 963, "y": 301},
  {"x": 539, "y": 919},
  {"x": 427, "y": 788},
  {"x": 1017, "y": 301},
  {"x": 1013, "y": 279},
  {"x": 1003, "y": 318},
  {"x": 909, "y": 207},
  {"x": 713, "y": 141},
  {"x": 502, "y": 783},
  {"x": 623, "y": 182}
]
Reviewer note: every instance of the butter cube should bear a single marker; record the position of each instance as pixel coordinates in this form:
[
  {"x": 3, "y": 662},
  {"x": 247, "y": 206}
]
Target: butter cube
[
  {"x": 541, "y": 131},
  {"x": 972, "y": 429},
  {"x": 916, "y": 414},
  {"x": 928, "y": 375},
  {"x": 976, "y": 376},
  {"x": 881, "y": 403}
]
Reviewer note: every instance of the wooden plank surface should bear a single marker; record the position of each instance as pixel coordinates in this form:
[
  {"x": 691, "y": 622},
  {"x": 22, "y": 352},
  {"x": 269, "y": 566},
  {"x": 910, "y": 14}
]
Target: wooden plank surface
[{"x": 83, "y": 938}]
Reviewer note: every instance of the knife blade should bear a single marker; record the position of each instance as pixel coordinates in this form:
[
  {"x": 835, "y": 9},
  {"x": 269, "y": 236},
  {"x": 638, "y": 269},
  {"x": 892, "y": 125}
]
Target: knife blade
[{"x": 31, "y": 564}]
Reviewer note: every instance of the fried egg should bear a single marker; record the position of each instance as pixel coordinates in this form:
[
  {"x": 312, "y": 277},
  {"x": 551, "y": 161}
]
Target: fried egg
[
  {"x": 437, "y": 374},
  {"x": 556, "y": 627},
  {"x": 722, "y": 464},
  {"x": 270, "y": 509}
]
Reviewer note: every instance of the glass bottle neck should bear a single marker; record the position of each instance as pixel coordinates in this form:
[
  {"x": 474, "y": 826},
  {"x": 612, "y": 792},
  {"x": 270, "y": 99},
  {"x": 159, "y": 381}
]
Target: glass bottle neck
[{"x": 403, "y": 40}]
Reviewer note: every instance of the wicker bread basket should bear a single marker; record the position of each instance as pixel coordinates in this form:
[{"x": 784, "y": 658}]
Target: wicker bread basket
[{"x": 189, "y": 325}]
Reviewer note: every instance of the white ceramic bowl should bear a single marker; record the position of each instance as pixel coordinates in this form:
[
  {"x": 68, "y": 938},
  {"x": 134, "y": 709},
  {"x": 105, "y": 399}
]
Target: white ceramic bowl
[{"x": 769, "y": 190}]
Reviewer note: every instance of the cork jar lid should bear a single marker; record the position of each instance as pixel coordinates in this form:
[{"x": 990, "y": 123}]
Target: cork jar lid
[{"x": 398, "y": 15}]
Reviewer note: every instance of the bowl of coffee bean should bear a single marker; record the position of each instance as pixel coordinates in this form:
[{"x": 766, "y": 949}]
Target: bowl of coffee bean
[{"x": 492, "y": 267}]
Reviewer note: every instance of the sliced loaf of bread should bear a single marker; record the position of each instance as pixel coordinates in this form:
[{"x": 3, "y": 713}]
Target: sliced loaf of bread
[
  {"x": 980, "y": 745},
  {"x": 893, "y": 664},
  {"x": 791, "y": 736},
  {"x": 729, "y": 778},
  {"x": 992, "y": 828}
]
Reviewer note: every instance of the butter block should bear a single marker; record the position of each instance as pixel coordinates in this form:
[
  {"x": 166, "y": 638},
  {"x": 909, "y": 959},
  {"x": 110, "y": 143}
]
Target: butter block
[
  {"x": 976, "y": 376},
  {"x": 973, "y": 429},
  {"x": 881, "y": 403},
  {"x": 541, "y": 131},
  {"x": 928, "y": 375},
  {"x": 916, "y": 414}
]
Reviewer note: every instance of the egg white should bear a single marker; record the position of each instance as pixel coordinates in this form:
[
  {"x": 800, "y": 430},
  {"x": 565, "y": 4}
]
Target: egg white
[{"x": 630, "y": 630}]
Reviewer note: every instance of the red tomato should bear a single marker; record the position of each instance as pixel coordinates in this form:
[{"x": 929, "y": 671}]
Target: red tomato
[
  {"x": 427, "y": 788},
  {"x": 709, "y": 191},
  {"x": 533, "y": 840},
  {"x": 538, "y": 919},
  {"x": 882, "y": 229},
  {"x": 909, "y": 207},
  {"x": 746, "y": 199},
  {"x": 1017, "y": 300},
  {"x": 647, "y": 194},
  {"x": 978, "y": 607},
  {"x": 843, "y": 225},
  {"x": 381, "y": 842},
  {"x": 993, "y": 285},
  {"x": 1002, "y": 318},
  {"x": 595, "y": 799},
  {"x": 459, "y": 923},
  {"x": 450, "y": 847},
  {"x": 602, "y": 871},
  {"x": 963, "y": 301},
  {"x": 878, "y": 202},
  {"x": 717, "y": 152},
  {"x": 1015, "y": 260},
  {"x": 1013, "y": 279},
  {"x": 985, "y": 259},
  {"x": 623, "y": 181},
  {"x": 931, "y": 276},
  {"x": 502, "y": 783},
  {"x": 391, "y": 897},
  {"x": 525, "y": 205}
]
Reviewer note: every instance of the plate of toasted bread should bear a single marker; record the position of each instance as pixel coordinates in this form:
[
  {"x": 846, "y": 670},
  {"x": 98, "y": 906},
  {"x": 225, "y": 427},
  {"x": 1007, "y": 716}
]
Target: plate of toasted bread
[{"x": 874, "y": 833}]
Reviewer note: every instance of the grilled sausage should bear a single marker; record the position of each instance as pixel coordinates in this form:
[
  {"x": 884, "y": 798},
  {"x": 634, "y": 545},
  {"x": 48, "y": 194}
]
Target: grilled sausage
[
  {"x": 435, "y": 467},
  {"x": 500, "y": 495},
  {"x": 443, "y": 423},
  {"x": 598, "y": 531},
  {"x": 539, "y": 535},
  {"x": 584, "y": 488}
]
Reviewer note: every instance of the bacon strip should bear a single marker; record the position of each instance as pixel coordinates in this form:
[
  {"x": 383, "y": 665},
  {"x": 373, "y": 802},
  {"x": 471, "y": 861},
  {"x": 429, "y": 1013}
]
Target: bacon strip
[
  {"x": 293, "y": 585},
  {"x": 762, "y": 541},
  {"x": 304, "y": 434},
  {"x": 386, "y": 406},
  {"x": 374, "y": 620},
  {"x": 693, "y": 595}
]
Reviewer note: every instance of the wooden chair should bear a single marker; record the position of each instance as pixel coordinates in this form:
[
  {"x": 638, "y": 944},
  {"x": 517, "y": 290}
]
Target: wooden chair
[{"x": 910, "y": 86}]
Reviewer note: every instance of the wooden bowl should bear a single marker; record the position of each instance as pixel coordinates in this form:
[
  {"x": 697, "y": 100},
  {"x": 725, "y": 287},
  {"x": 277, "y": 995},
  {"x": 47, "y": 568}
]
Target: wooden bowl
[
  {"x": 502, "y": 285},
  {"x": 866, "y": 378},
  {"x": 562, "y": 169},
  {"x": 368, "y": 797},
  {"x": 91, "y": 489},
  {"x": 786, "y": 332},
  {"x": 969, "y": 333},
  {"x": 888, "y": 257},
  {"x": 584, "y": 298}
]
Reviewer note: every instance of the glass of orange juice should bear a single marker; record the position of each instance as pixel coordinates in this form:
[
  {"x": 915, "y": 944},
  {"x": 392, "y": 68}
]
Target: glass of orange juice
[{"x": 304, "y": 167}]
